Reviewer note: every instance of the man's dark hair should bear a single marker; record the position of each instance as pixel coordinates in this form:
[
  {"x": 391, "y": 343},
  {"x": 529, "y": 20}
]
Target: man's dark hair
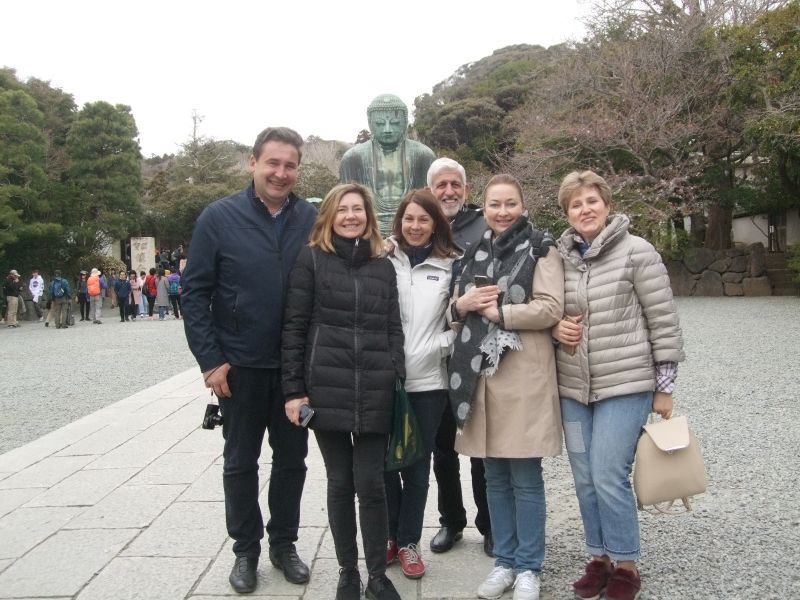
[
  {"x": 278, "y": 134},
  {"x": 56, "y": 273}
]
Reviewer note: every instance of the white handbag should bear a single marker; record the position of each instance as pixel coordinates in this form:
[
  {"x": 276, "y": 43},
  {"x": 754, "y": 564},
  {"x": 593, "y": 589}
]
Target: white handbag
[{"x": 668, "y": 466}]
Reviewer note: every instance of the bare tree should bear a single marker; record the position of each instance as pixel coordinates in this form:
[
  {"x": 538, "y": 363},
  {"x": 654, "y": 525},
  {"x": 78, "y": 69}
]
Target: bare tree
[{"x": 643, "y": 100}]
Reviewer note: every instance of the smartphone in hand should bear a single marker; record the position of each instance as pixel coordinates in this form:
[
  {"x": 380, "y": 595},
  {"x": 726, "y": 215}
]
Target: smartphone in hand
[
  {"x": 481, "y": 281},
  {"x": 306, "y": 413}
]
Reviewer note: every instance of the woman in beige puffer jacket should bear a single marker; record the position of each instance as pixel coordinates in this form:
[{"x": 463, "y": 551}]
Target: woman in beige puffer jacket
[{"x": 619, "y": 348}]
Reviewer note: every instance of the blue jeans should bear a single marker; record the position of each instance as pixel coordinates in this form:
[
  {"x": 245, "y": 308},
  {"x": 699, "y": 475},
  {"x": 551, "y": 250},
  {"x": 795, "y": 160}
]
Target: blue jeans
[
  {"x": 407, "y": 489},
  {"x": 162, "y": 311},
  {"x": 601, "y": 442},
  {"x": 515, "y": 491}
]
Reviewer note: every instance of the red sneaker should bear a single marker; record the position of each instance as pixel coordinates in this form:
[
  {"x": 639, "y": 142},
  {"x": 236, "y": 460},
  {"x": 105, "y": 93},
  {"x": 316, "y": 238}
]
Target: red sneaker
[
  {"x": 391, "y": 552},
  {"x": 623, "y": 584},
  {"x": 411, "y": 562},
  {"x": 592, "y": 584}
]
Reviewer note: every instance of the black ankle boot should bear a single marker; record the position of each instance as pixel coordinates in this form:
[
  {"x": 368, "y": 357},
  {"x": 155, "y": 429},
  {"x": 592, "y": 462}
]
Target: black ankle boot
[
  {"x": 380, "y": 587},
  {"x": 349, "y": 587}
]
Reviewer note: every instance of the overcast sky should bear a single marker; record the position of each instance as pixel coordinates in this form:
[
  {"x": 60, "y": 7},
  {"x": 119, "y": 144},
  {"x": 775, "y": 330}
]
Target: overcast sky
[{"x": 313, "y": 65}]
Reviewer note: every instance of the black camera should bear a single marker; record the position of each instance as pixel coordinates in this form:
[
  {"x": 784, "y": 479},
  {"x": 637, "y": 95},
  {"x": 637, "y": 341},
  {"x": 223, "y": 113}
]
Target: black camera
[{"x": 212, "y": 418}]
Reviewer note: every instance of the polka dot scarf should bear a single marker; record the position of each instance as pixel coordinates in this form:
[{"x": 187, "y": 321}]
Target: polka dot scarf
[{"x": 509, "y": 261}]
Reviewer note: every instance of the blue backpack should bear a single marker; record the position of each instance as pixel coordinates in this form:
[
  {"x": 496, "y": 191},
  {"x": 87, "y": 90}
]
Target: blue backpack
[
  {"x": 57, "y": 288},
  {"x": 174, "y": 287}
]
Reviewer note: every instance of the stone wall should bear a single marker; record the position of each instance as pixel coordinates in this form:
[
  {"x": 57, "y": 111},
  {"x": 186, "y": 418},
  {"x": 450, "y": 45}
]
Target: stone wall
[{"x": 734, "y": 272}]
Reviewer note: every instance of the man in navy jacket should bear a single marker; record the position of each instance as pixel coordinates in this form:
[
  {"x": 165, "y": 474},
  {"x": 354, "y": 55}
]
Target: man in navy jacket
[{"x": 234, "y": 289}]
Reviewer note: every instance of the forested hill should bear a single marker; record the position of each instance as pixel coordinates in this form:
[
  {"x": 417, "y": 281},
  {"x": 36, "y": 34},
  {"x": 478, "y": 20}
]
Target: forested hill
[{"x": 688, "y": 109}]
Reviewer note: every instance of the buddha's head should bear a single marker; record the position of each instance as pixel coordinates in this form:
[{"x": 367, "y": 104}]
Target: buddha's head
[{"x": 388, "y": 120}]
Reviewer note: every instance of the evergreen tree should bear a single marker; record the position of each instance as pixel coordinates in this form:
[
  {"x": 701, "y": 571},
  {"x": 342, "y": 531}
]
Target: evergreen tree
[{"x": 105, "y": 175}]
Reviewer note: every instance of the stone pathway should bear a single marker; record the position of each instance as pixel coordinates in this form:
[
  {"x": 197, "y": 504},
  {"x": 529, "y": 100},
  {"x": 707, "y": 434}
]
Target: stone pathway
[{"x": 127, "y": 503}]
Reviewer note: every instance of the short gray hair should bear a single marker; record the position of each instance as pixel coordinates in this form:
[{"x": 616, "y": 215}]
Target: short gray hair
[{"x": 445, "y": 164}]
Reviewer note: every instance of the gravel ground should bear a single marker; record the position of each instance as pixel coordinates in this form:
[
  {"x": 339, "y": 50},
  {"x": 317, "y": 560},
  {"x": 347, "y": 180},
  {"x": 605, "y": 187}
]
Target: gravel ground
[
  {"x": 738, "y": 387},
  {"x": 50, "y": 377}
]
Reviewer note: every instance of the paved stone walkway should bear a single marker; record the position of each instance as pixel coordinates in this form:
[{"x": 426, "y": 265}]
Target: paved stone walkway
[{"x": 127, "y": 503}]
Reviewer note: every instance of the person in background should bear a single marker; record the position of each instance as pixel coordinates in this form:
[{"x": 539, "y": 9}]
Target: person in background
[
  {"x": 36, "y": 288},
  {"x": 144, "y": 302},
  {"x": 11, "y": 289},
  {"x": 503, "y": 388},
  {"x": 123, "y": 290},
  {"x": 151, "y": 290},
  {"x": 342, "y": 351},
  {"x": 83, "y": 296},
  {"x": 94, "y": 287},
  {"x": 422, "y": 256},
  {"x": 112, "y": 280},
  {"x": 60, "y": 298},
  {"x": 136, "y": 296},
  {"x": 162, "y": 294},
  {"x": 620, "y": 343},
  {"x": 174, "y": 287}
]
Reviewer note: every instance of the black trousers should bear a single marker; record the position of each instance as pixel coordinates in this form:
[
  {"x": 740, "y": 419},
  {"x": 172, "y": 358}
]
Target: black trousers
[
  {"x": 447, "y": 470},
  {"x": 256, "y": 405},
  {"x": 151, "y": 302},
  {"x": 354, "y": 466},
  {"x": 83, "y": 301},
  {"x": 123, "y": 308},
  {"x": 175, "y": 300}
]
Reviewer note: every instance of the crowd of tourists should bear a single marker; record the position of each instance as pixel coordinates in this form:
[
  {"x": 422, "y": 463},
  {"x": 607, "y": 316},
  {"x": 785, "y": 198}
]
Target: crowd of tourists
[
  {"x": 63, "y": 301},
  {"x": 509, "y": 342}
]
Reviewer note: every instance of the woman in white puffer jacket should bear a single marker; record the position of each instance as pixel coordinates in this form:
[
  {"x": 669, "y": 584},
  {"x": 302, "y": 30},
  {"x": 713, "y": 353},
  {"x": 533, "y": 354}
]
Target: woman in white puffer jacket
[
  {"x": 620, "y": 343},
  {"x": 422, "y": 253}
]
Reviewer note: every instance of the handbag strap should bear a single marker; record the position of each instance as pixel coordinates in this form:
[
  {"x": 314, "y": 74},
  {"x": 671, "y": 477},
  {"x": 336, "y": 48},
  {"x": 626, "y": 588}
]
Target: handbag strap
[{"x": 666, "y": 508}]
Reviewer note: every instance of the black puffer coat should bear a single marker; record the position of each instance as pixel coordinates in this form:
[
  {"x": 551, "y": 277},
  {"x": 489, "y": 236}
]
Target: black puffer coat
[{"x": 342, "y": 337}]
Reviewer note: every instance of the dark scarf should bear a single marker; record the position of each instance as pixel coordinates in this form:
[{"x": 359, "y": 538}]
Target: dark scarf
[{"x": 508, "y": 260}]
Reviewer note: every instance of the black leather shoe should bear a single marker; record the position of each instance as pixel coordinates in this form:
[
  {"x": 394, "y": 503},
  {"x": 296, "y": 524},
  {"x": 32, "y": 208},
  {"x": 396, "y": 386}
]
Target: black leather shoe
[
  {"x": 349, "y": 587},
  {"x": 381, "y": 588},
  {"x": 488, "y": 544},
  {"x": 286, "y": 560},
  {"x": 444, "y": 539},
  {"x": 243, "y": 575}
]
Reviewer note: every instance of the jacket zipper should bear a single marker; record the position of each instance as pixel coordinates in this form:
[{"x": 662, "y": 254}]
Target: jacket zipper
[
  {"x": 588, "y": 377},
  {"x": 357, "y": 379},
  {"x": 311, "y": 358}
]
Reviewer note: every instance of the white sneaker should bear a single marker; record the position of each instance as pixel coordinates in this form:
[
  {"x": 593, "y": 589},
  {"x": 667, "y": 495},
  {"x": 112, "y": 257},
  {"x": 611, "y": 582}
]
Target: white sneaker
[
  {"x": 498, "y": 581},
  {"x": 526, "y": 586}
]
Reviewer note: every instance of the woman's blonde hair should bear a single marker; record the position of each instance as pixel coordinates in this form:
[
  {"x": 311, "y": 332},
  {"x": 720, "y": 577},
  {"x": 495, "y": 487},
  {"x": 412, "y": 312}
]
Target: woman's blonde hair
[
  {"x": 321, "y": 234},
  {"x": 503, "y": 178},
  {"x": 578, "y": 180}
]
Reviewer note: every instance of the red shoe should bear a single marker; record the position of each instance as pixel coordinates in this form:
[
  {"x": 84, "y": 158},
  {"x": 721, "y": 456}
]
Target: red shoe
[
  {"x": 411, "y": 562},
  {"x": 623, "y": 584},
  {"x": 391, "y": 552},
  {"x": 592, "y": 584}
]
